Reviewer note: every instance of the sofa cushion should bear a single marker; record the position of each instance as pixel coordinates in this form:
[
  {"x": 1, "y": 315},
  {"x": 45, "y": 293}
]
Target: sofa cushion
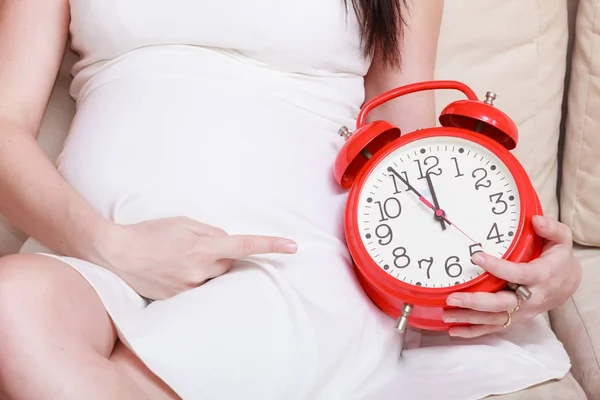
[
  {"x": 577, "y": 323},
  {"x": 580, "y": 207},
  {"x": 516, "y": 49},
  {"x": 564, "y": 389}
]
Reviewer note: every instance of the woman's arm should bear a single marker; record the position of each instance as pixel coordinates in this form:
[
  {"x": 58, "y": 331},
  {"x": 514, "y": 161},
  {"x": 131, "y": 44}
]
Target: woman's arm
[
  {"x": 418, "y": 52},
  {"x": 33, "y": 195}
]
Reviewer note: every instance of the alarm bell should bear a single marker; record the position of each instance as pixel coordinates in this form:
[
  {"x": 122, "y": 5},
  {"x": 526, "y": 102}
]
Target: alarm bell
[
  {"x": 360, "y": 147},
  {"x": 482, "y": 117},
  {"x": 471, "y": 114}
]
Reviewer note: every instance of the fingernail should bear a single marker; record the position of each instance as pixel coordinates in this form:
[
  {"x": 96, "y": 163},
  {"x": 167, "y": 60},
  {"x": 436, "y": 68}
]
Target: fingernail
[
  {"x": 453, "y": 301},
  {"x": 478, "y": 258},
  {"x": 539, "y": 221},
  {"x": 450, "y": 319},
  {"x": 290, "y": 247}
]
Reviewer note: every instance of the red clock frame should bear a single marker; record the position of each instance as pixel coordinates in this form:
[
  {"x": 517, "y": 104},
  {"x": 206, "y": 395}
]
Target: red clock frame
[{"x": 387, "y": 292}]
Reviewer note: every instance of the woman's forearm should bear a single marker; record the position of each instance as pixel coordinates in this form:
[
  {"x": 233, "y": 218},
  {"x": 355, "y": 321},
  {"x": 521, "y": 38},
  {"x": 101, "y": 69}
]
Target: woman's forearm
[
  {"x": 418, "y": 52},
  {"x": 37, "y": 200},
  {"x": 33, "y": 195}
]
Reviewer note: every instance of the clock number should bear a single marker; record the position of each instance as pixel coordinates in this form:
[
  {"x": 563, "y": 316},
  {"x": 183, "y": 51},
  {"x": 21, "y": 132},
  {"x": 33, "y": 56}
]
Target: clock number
[
  {"x": 401, "y": 260},
  {"x": 388, "y": 211},
  {"x": 435, "y": 161},
  {"x": 394, "y": 180},
  {"x": 494, "y": 234},
  {"x": 480, "y": 183},
  {"x": 497, "y": 199},
  {"x": 475, "y": 248},
  {"x": 397, "y": 181},
  {"x": 386, "y": 236},
  {"x": 453, "y": 262},
  {"x": 429, "y": 263},
  {"x": 458, "y": 173}
]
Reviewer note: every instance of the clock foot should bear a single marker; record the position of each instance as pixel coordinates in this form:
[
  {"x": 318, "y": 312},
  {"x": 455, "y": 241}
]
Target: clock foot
[
  {"x": 402, "y": 324},
  {"x": 402, "y": 342}
]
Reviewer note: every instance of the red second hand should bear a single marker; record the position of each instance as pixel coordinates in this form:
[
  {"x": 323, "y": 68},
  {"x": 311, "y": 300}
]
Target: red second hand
[
  {"x": 427, "y": 203},
  {"x": 440, "y": 213},
  {"x": 460, "y": 230}
]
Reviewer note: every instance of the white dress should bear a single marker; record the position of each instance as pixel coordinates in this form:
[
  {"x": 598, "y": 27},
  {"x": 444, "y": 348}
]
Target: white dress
[{"x": 227, "y": 112}]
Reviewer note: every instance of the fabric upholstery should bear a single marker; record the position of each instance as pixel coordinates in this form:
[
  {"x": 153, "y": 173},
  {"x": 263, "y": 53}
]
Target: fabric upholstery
[
  {"x": 577, "y": 323},
  {"x": 517, "y": 49},
  {"x": 580, "y": 207},
  {"x": 565, "y": 389}
]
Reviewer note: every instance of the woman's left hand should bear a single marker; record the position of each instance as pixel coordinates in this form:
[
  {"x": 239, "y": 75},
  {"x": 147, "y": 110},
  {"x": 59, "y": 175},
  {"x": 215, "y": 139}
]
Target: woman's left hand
[{"x": 552, "y": 279}]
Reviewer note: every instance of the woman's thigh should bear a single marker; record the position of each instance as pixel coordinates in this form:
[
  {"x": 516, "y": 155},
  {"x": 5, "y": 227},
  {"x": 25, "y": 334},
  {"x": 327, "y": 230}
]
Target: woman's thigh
[
  {"x": 47, "y": 311},
  {"x": 54, "y": 329},
  {"x": 42, "y": 298}
]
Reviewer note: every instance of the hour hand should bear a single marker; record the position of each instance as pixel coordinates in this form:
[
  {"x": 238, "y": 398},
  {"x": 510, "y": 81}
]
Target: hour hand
[
  {"x": 412, "y": 189},
  {"x": 439, "y": 213}
]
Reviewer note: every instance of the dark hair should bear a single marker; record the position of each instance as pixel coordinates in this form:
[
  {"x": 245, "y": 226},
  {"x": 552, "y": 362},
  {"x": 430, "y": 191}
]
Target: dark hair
[{"x": 382, "y": 25}]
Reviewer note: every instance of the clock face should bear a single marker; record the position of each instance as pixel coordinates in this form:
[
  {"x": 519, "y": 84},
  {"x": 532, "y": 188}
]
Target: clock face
[{"x": 477, "y": 203}]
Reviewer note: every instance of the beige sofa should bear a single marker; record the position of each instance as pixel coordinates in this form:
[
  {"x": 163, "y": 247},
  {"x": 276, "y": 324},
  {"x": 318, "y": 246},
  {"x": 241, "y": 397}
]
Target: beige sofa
[{"x": 521, "y": 50}]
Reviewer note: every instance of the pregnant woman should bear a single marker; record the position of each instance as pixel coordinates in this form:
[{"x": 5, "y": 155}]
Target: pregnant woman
[{"x": 188, "y": 243}]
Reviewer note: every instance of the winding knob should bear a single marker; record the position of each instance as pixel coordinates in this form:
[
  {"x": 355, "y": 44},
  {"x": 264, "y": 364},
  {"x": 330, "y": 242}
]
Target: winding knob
[
  {"x": 489, "y": 98},
  {"x": 344, "y": 132}
]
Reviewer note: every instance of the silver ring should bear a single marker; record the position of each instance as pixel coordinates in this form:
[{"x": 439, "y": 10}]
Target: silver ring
[{"x": 521, "y": 290}]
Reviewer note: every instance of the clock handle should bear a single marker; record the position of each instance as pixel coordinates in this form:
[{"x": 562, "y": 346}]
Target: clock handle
[{"x": 412, "y": 88}]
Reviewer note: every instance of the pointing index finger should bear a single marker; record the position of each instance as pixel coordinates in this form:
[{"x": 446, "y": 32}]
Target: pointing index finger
[{"x": 238, "y": 246}]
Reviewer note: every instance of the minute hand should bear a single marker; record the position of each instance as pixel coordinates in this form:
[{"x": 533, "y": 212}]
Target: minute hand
[{"x": 435, "y": 201}]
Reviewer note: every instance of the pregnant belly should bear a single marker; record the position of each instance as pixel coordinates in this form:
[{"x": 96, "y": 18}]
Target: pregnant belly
[{"x": 239, "y": 159}]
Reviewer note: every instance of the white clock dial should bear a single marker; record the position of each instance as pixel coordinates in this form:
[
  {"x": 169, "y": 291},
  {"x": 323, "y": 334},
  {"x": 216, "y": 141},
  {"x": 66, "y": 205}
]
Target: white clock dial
[{"x": 476, "y": 192}]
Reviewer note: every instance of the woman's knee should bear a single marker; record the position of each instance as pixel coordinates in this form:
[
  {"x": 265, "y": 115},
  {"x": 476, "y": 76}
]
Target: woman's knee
[
  {"x": 41, "y": 296},
  {"x": 24, "y": 280},
  {"x": 28, "y": 280}
]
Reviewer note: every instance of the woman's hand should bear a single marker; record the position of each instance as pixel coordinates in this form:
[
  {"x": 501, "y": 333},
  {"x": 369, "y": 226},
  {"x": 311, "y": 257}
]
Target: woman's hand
[
  {"x": 161, "y": 258},
  {"x": 552, "y": 279}
]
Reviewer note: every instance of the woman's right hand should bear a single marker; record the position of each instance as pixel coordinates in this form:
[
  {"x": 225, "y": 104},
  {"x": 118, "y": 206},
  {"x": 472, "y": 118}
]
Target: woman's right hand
[{"x": 161, "y": 258}]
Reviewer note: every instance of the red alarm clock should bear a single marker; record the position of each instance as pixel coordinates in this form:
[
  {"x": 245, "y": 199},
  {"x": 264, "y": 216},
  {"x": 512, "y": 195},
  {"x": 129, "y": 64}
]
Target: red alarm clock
[{"x": 421, "y": 204}]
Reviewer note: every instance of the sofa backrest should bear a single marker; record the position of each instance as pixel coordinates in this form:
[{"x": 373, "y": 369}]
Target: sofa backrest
[
  {"x": 580, "y": 189},
  {"x": 517, "y": 49}
]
